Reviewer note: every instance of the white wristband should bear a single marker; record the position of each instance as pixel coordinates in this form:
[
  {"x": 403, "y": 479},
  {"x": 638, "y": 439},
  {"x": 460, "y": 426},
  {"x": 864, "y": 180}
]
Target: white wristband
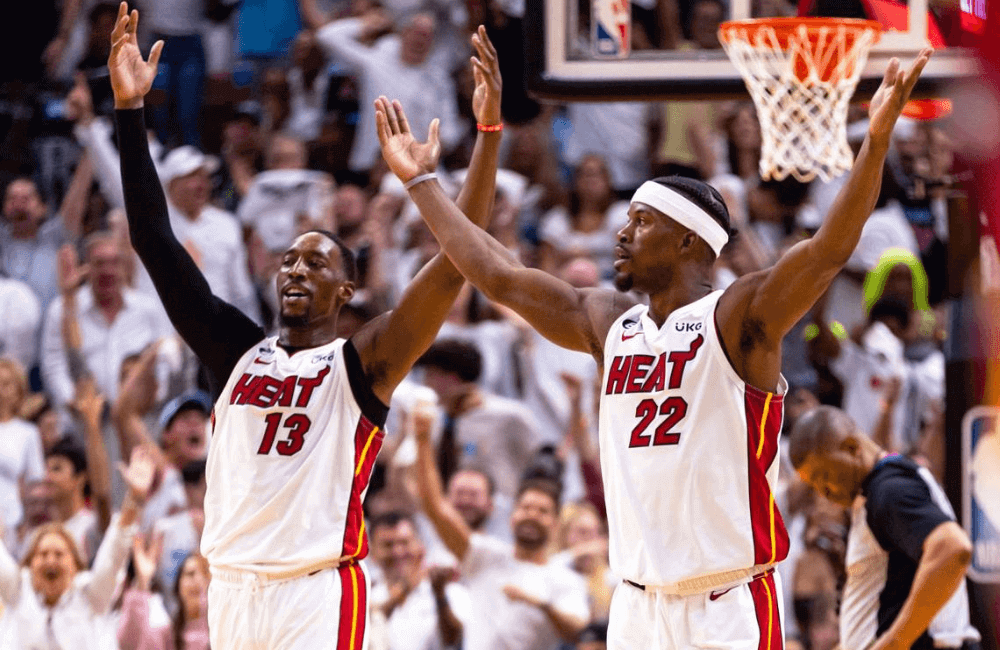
[{"x": 418, "y": 179}]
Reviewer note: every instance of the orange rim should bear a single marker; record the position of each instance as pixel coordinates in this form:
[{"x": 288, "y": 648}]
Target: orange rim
[{"x": 785, "y": 27}]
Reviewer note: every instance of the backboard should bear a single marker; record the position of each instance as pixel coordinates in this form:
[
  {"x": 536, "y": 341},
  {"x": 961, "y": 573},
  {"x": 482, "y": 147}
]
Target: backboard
[{"x": 569, "y": 57}]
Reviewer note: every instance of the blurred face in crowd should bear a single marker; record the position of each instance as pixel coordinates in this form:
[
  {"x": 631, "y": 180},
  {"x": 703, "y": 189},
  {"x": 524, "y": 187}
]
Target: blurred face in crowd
[
  {"x": 53, "y": 566},
  {"x": 469, "y": 493},
  {"x": 192, "y": 582},
  {"x": 397, "y": 549},
  {"x": 48, "y": 428},
  {"x": 107, "y": 268},
  {"x": 744, "y": 130},
  {"x": 62, "y": 477},
  {"x": 286, "y": 153},
  {"x": 190, "y": 193},
  {"x": 533, "y": 519},
  {"x": 22, "y": 206},
  {"x": 583, "y": 527},
  {"x": 11, "y": 393},
  {"x": 446, "y": 384},
  {"x": 705, "y": 18},
  {"x": 417, "y": 39},
  {"x": 38, "y": 504},
  {"x": 899, "y": 283},
  {"x": 351, "y": 206},
  {"x": 593, "y": 181},
  {"x": 186, "y": 435}
]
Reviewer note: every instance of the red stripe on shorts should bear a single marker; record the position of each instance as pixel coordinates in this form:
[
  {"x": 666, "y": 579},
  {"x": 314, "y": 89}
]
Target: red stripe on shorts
[
  {"x": 353, "y": 608},
  {"x": 765, "y": 604}
]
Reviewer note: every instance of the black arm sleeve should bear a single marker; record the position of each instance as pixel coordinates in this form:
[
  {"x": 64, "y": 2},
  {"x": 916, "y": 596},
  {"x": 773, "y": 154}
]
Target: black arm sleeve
[{"x": 217, "y": 332}]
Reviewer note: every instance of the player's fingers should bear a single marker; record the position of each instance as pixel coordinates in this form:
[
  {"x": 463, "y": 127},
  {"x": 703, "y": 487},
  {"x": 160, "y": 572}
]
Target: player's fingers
[
  {"x": 492, "y": 51},
  {"x": 381, "y": 125},
  {"x": 890, "y": 72},
  {"x": 133, "y": 22},
  {"x": 120, "y": 23},
  {"x": 154, "y": 55},
  {"x": 390, "y": 115},
  {"x": 404, "y": 125},
  {"x": 478, "y": 71},
  {"x": 913, "y": 74},
  {"x": 432, "y": 132}
]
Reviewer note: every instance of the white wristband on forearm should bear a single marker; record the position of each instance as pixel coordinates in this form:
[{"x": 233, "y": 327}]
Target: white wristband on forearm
[{"x": 418, "y": 179}]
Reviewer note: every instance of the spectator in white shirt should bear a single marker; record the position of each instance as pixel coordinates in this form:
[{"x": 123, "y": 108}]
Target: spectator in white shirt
[
  {"x": 51, "y": 601},
  {"x": 22, "y": 314},
  {"x": 520, "y": 600},
  {"x": 66, "y": 474},
  {"x": 29, "y": 242},
  {"x": 21, "y": 449},
  {"x": 424, "y": 610},
  {"x": 211, "y": 236},
  {"x": 398, "y": 65},
  {"x": 285, "y": 200},
  {"x": 114, "y": 322}
]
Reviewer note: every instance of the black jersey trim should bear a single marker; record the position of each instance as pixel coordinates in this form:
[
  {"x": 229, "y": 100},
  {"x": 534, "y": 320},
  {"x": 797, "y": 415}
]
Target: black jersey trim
[{"x": 371, "y": 406}]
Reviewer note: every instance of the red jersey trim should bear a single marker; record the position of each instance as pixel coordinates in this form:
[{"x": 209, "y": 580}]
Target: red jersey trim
[
  {"x": 353, "y": 607},
  {"x": 764, "y": 413},
  {"x": 367, "y": 443}
]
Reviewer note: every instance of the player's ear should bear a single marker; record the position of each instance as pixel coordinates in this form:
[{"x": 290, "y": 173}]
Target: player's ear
[{"x": 345, "y": 292}]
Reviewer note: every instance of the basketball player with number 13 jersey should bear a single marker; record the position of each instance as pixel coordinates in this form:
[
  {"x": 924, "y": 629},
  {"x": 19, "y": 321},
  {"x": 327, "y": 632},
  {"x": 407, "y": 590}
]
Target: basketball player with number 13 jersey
[
  {"x": 691, "y": 402},
  {"x": 296, "y": 426}
]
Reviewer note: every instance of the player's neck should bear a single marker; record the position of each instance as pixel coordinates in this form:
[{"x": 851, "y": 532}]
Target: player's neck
[
  {"x": 293, "y": 339},
  {"x": 683, "y": 290}
]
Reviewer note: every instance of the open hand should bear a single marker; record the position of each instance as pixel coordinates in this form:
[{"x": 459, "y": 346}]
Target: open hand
[
  {"x": 892, "y": 95},
  {"x": 131, "y": 77},
  {"x": 486, "y": 71},
  {"x": 146, "y": 557},
  {"x": 406, "y": 157},
  {"x": 139, "y": 474},
  {"x": 71, "y": 273},
  {"x": 80, "y": 101},
  {"x": 88, "y": 402}
]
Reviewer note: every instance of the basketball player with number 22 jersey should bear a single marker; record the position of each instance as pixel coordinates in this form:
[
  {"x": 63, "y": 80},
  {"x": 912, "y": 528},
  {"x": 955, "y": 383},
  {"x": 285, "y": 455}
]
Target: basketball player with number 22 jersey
[
  {"x": 691, "y": 404},
  {"x": 296, "y": 426}
]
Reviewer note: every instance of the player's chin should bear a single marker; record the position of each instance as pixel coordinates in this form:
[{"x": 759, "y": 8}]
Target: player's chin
[
  {"x": 289, "y": 318},
  {"x": 623, "y": 281}
]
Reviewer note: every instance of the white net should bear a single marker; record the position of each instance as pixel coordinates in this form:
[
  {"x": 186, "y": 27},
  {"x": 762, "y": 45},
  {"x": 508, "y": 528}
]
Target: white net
[{"x": 801, "y": 80}]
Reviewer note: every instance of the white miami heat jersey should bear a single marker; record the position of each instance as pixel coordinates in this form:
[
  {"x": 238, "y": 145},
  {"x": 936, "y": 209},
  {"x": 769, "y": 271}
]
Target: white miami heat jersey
[
  {"x": 290, "y": 459},
  {"x": 689, "y": 452}
]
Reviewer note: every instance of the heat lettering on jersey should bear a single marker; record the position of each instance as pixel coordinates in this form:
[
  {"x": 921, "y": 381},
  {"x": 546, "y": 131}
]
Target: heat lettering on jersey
[
  {"x": 264, "y": 391},
  {"x": 642, "y": 373}
]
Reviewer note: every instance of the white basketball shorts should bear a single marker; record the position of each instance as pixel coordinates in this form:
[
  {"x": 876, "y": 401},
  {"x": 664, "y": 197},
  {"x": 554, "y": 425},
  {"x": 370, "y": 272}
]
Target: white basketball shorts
[
  {"x": 745, "y": 617},
  {"x": 327, "y": 609}
]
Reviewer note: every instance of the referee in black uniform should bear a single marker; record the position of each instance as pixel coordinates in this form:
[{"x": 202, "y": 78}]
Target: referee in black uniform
[{"x": 906, "y": 555}]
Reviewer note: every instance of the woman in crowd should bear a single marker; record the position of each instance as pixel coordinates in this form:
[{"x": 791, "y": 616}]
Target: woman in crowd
[
  {"x": 587, "y": 226},
  {"x": 52, "y": 600}
]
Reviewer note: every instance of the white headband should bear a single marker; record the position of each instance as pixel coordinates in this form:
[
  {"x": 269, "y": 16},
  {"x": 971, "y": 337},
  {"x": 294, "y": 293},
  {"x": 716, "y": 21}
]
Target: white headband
[{"x": 683, "y": 211}]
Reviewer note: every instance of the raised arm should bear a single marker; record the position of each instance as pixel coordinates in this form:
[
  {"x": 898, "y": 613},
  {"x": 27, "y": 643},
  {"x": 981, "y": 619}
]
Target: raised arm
[
  {"x": 758, "y": 310},
  {"x": 217, "y": 332},
  {"x": 574, "y": 319},
  {"x": 389, "y": 345},
  {"x": 447, "y": 521}
]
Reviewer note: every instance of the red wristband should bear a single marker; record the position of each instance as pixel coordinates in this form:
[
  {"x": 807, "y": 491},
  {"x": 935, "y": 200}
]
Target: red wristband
[{"x": 490, "y": 128}]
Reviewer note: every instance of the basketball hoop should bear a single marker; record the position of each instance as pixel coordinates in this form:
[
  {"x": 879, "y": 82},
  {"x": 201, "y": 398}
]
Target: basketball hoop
[{"x": 801, "y": 73}]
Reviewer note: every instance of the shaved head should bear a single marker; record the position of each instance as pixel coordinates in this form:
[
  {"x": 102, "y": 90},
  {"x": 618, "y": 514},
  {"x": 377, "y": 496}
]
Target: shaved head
[{"x": 820, "y": 430}]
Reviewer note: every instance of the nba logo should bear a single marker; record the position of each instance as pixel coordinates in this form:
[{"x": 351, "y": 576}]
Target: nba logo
[{"x": 611, "y": 31}]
